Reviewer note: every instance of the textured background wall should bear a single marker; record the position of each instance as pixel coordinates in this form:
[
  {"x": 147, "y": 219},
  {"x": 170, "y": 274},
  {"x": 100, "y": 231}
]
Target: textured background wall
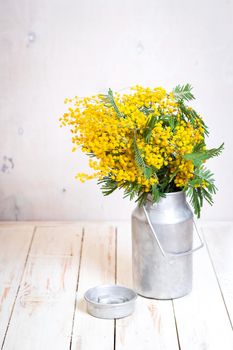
[{"x": 54, "y": 49}]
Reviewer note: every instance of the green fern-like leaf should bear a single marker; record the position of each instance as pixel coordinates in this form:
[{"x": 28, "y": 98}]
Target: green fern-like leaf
[
  {"x": 204, "y": 174},
  {"x": 108, "y": 185},
  {"x": 183, "y": 92},
  {"x": 131, "y": 189},
  {"x": 207, "y": 176},
  {"x": 149, "y": 127},
  {"x": 138, "y": 156},
  {"x": 191, "y": 115},
  {"x": 141, "y": 198},
  {"x": 143, "y": 167},
  {"x": 110, "y": 102},
  {"x": 215, "y": 152},
  {"x": 199, "y": 192},
  {"x": 195, "y": 199},
  {"x": 156, "y": 193},
  {"x": 169, "y": 120},
  {"x": 146, "y": 110},
  {"x": 199, "y": 157}
]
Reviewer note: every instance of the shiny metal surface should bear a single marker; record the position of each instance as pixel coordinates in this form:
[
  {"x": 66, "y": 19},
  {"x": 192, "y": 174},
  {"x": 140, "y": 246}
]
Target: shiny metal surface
[
  {"x": 166, "y": 253},
  {"x": 156, "y": 275},
  {"x": 110, "y": 301}
]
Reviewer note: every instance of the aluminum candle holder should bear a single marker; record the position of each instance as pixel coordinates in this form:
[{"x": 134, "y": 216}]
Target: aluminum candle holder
[{"x": 110, "y": 301}]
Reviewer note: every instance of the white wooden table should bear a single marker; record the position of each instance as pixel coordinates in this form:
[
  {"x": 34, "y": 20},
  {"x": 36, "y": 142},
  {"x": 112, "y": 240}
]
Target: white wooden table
[{"x": 46, "y": 267}]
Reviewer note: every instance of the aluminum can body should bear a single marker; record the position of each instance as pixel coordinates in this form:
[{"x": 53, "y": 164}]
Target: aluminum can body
[{"x": 155, "y": 275}]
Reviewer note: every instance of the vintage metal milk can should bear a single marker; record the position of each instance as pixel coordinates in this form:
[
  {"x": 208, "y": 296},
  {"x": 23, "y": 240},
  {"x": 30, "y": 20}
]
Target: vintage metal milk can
[{"x": 162, "y": 247}]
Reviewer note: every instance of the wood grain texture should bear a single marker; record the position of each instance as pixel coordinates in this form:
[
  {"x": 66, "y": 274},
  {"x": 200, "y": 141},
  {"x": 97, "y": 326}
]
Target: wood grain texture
[
  {"x": 40, "y": 273},
  {"x": 14, "y": 246},
  {"x": 43, "y": 312},
  {"x": 219, "y": 240},
  {"x": 97, "y": 267},
  {"x": 201, "y": 316},
  {"x": 152, "y": 326}
]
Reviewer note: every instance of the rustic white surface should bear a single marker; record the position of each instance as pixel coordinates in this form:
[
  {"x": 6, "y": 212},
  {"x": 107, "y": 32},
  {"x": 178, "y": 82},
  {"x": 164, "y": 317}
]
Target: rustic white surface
[
  {"x": 43, "y": 313},
  {"x": 97, "y": 267},
  {"x": 220, "y": 245},
  {"x": 202, "y": 318},
  {"x": 152, "y": 326},
  {"x": 14, "y": 245},
  {"x": 43, "y": 266},
  {"x": 56, "y": 49}
]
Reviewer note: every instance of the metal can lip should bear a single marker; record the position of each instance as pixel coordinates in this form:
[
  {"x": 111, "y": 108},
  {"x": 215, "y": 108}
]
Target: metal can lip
[
  {"x": 168, "y": 194},
  {"x": 110, "y": 301}
]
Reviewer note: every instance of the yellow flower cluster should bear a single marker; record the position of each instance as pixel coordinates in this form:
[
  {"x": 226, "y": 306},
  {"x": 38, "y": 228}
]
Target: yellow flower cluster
[{"x": 105, "y": 129}]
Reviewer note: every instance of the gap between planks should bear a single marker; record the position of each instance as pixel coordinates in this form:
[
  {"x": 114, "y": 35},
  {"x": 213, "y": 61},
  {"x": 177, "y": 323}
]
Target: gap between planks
[
  {"x": 114, "y": 340},
  {"x": 218, "y": 280},
  {"x": 57, "y": 255},
  {"x": 97, "y": 267},
  {"x": 75, "y": 303},
  {"x": 116, "y": 280},
  {"x": 17, "y": 292},
  {"x": 152, "y": 325}
]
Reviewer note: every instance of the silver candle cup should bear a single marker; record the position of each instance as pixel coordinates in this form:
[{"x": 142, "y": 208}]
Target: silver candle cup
[{"x": 110, "y": 301}]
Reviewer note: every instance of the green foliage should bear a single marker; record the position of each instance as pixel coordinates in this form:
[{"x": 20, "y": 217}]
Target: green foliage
[
  {"x": 141, "y": 198},
  {"x": 110, "y": 102},
  {"x": 156, "y": 193},
  {"x": 199, "y": 188},
  {"x": 183, "y": 92},
  {"x": 199, "y": 147},
  {"x": 108, "y": 185},
  {"x": 189, "y": 114},
  {"x": 169, "y": 120},
  {"x": 91, "y": 155},
  {"x": 197, "y": 192},
  {"x": 196, "y": 199},
  {"x": 131, "y": 189},
  {"x": 146, "y": 110},
  {"x": 149, "y": 127},
  {"x": 172, "y": 122},
  {"x": 142, "y": 166},
  {"x": 199, "y": 157}
]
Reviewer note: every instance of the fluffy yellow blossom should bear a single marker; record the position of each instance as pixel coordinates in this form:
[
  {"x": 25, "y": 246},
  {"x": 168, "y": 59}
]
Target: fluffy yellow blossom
[
  {"x": 144, "y": 141},
  {"x": 104, "y": 127}
]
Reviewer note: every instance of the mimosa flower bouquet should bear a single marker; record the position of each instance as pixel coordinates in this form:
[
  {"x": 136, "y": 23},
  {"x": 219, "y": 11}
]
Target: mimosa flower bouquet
[{"x": 146, "y": 142}]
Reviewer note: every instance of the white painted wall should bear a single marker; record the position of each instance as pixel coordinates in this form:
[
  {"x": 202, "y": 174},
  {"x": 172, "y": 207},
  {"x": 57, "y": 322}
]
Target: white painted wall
[{"x": 54, "y": 49}]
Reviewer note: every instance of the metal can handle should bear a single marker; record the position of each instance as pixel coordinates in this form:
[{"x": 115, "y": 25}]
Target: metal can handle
[{"x": 167, "y": 254}]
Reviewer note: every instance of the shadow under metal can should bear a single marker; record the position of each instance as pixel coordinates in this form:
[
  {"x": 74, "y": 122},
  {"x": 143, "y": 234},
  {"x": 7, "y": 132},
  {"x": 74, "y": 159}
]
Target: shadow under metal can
[{"x": 162, "y": 241}]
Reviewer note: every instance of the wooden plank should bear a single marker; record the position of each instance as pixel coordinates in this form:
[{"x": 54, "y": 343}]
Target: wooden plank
[
  {"x": 14, "y": 246},
  {"x": 59, "y": 223},
  {"x": 97, "y": 267},
  {"x": 152, "y": 326},
  {"x": 201, "y": 316},
  {"x": 219, "y": 239},
  {"x": 44, "y": 308}
]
